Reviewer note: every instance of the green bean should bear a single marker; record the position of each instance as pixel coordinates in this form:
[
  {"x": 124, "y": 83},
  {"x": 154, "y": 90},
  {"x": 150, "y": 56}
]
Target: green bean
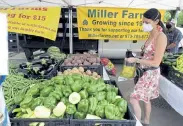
[{"x": 16, "y": 83}]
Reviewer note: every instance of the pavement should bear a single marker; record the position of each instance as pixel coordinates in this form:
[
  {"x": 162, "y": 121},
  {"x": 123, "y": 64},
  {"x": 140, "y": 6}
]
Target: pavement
[{"x": 162, "y": 113}]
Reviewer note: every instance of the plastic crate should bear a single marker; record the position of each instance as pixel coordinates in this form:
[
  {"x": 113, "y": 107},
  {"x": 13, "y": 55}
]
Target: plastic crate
[
  {"x": 70, "y": 55},
  {"x": 104, "y": 122},
  {"x": 176, "y": 77},
  {"x": 47, "y": 122},
  {"x": 94, "y": 68},
  {"x": 52, "y": 73},
  {"x": 165, "y": 68},
  {"x": 99, "y": 122}
]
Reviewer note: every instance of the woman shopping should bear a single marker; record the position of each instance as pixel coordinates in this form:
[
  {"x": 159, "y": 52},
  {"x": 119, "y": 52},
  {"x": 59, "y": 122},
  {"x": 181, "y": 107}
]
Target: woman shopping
[{"x": 147, "y": 86}]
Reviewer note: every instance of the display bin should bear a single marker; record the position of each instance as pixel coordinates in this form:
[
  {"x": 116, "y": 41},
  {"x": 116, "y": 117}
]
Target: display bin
[
  {"x": 130, "y": 119},
  {"x": 28, "y": 121},
  {"x": 94, "y": 68},
  {"x": 47, "y": 122},
  {"x": 176, "y": 77},
  {"x": 70, "y": 55},
  {"x": 164, "y": 69},
  {"x": 51, "y": 74}
]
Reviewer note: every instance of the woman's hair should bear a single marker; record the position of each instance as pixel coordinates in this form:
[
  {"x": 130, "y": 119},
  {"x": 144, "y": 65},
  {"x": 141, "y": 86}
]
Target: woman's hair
[{"x": 154, "y": 14}]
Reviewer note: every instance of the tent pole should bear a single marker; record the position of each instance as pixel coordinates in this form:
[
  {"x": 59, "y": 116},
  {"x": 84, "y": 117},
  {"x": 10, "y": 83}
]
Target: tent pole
[
  {"x": 178, "y": 11},
  {"x": 17, "y": 41},
  {"x": 70, "y": 31}
]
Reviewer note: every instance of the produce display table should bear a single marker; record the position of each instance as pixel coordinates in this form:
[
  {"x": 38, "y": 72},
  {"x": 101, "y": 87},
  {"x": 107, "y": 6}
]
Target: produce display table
[
  {"x": 106, "y": 77},
  {"x": 172, "y": 94}
]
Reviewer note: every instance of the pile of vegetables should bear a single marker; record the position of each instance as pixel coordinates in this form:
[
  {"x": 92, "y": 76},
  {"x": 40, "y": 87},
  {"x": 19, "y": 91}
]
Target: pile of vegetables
[
  {"x": 38, "y": 68},
  {"x": 81, "y": 71},
  {"x": 170, "y": 59},
  {"x": 14, "y": 86},
  {"x": 75, "y": 95},
  {"x": 55, "y": 53},
  {"x": 179, "y": 64},
  {"x": 82, "y": 59},
  {"x": 174, "y": 60}
]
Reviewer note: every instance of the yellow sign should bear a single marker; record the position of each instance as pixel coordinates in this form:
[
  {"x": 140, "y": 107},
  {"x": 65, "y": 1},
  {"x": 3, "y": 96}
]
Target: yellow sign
[
  {"x": 111, "y": 23},
  {"x": 38, "y": 21}
]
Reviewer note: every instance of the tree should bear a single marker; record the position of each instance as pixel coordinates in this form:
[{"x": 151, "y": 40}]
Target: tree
[
  {"x": 180, "y": 19},
  {"x": 167, "y": 16}
]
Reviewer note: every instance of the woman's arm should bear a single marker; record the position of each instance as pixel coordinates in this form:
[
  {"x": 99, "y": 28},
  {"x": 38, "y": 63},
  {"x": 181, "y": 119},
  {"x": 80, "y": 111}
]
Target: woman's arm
[{"x": 160, "y": 47}]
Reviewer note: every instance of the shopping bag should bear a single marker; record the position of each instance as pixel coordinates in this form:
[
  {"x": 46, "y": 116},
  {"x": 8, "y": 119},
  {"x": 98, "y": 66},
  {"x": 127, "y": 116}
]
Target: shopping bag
[
  {"x": 109, "y": 66},
  {"x": 4, "y": 117},
  {"x": 129, "y": 69}
]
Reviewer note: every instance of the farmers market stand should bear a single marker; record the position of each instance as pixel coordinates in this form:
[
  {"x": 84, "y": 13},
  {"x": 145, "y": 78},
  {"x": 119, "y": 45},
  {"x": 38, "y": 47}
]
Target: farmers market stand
[
  {"x": 172, "y": 94},
  {"x": 70, "y": 117},
  {"x": 106, "y": 77}
]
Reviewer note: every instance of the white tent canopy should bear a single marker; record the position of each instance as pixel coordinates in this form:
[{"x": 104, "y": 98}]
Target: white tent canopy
[{"x": 159, "y": 4}]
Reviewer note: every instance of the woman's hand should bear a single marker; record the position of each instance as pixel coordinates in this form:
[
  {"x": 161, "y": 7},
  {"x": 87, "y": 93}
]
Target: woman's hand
[{"x": 131, "y": 59}]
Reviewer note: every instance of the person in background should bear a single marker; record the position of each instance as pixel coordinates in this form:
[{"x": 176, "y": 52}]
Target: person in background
[
  {"x": 147, "y": 86},
  {"x": 174, "y": 36}
]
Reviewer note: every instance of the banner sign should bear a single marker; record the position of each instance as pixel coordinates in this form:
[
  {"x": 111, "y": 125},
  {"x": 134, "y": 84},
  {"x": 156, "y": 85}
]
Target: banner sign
[
  {"x": 111, "y": 23},
  {"x": 38, "y": 21}
]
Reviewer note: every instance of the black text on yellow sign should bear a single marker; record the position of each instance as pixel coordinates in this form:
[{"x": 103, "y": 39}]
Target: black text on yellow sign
[
  {"x": 38, "y": 21},
  {"x": 111, "y": 23}
]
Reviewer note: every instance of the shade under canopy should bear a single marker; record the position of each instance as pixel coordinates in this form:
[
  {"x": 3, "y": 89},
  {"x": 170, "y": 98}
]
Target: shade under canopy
[{"x": 159, "y": 4}]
